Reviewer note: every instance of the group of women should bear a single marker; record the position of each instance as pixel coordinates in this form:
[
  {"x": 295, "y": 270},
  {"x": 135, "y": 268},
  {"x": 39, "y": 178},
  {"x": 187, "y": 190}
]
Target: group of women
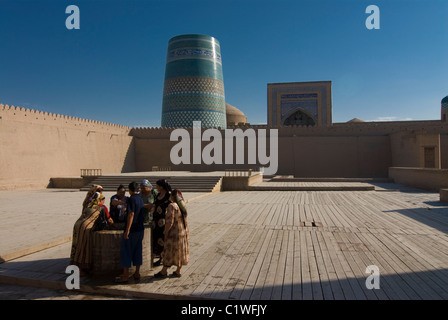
[{"x": 169, "y": 227}]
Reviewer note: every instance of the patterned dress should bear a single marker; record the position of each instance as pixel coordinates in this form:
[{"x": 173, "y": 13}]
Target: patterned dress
[
  {"x": 158, "y": 224},
  {"x": 176, "y": 250},
  {"x": 149, "y": 198},
  {"x": 81, "y": 252}
]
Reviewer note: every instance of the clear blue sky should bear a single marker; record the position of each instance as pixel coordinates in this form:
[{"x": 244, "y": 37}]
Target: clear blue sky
[{"x": 112, "y": 68}]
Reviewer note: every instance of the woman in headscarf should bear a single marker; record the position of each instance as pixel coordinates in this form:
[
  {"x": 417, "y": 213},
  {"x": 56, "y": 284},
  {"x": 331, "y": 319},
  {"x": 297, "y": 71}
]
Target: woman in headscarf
[
  {"x": 176, "y": 248},
  {"x": 148, "y": 195},
  {"x": 95, "y": 188},
  {"x": 161, "y": 202},
  {"x": 81, "y": 251}
]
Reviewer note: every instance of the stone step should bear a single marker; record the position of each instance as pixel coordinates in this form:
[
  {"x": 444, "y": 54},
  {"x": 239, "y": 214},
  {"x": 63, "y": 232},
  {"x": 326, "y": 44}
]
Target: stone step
[
  {"x": 185, "y": 184},
  {"x": 157, "y": 178}
]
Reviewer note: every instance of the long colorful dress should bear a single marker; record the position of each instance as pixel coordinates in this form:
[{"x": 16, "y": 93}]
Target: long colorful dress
[
  {"x": 176, "y": 250},
  {"x": 81, "y": 252},
  {"x": 158, "y": 224},
  {"x": 149, "y": 198}
]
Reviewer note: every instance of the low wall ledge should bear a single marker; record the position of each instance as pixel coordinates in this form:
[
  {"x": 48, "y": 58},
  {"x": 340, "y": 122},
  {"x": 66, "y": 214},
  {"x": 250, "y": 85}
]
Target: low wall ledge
[
  {"x": 420, "y": 169},
  {"x": 444, "y": 195},
  {"x": 422, "y": 178}
]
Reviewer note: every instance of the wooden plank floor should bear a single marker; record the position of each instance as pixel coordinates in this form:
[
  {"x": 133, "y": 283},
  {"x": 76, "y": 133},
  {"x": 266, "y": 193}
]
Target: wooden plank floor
[{"x": 263, "y": 246}]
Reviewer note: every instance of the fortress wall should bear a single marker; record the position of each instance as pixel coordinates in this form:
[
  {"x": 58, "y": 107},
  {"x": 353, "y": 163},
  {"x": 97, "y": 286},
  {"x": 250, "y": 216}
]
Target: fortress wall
[
  {"x": 339, "y": 156},
  {"x": 342, "y": 150},
  {"x": 344, "y": 129},
  {"x": 38, "y": 145},
  {"x": 304, "y": 156},
  {"x": 405, "y": 149},
  {"x": 444, "y": 151},
  {"x": 408, "y": 148},
  {"x": 156, "y": 152},
  {"x": 51, "y": 119},
  {"x": 153, "y": 152}
]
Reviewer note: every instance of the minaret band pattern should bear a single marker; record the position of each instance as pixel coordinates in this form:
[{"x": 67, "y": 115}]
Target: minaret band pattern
[{"x": 194, "y": 86}]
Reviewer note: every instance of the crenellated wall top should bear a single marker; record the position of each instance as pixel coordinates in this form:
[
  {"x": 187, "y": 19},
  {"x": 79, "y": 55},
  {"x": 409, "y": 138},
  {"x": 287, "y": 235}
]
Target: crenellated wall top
[
  {"x": 22, "y": 114},
  {"x": 337, "y": 129}
]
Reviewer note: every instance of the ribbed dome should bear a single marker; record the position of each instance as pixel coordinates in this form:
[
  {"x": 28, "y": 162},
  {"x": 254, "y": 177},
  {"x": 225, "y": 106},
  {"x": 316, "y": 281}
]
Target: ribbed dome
[{"x": 234, "y": 115}]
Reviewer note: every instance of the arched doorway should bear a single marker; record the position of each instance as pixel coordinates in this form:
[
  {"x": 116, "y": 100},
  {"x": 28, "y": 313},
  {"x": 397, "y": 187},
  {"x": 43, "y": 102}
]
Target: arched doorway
[{"x": 300, "y": 118}]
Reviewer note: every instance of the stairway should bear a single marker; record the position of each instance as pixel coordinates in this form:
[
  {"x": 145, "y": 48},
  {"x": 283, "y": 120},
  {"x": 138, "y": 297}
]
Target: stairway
[{"x": 183, "y": 183}]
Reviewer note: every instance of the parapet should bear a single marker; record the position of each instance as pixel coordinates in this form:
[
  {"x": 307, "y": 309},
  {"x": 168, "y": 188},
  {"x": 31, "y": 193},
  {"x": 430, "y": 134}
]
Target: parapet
[
  {"x": 337, "y": 129},
  {"x": 21, "y": 114}
]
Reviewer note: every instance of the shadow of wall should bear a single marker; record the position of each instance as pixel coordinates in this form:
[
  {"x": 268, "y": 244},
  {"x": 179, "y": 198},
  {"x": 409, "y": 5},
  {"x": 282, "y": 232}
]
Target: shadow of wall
[
  {"x": 444, "y": 151},
  {"x": 129, "y": 158}
]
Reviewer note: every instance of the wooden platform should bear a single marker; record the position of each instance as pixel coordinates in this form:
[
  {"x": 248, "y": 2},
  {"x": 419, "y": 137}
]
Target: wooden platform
[
  {"x": 283, "y": 245},
  {"x": 311, "y": 186}
]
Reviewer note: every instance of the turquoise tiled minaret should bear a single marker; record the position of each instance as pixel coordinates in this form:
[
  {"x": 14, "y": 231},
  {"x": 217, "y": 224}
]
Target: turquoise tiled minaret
[{"x": 194, "y": 86}]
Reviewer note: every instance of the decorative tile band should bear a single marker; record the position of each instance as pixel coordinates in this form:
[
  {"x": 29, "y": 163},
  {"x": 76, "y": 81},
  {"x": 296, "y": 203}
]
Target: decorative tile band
[
  {"x": 299, "y": 96},
  {"x": 193, "y": 53},
  {"x": 182, "y": 119},
  {"x": 188, "y": 99},
  {"x": 204, "y": 102},
  {"x": 196, "y": 38},
  {"x": 194, "y": 87},
  {"x": 193, "y": 68}
]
